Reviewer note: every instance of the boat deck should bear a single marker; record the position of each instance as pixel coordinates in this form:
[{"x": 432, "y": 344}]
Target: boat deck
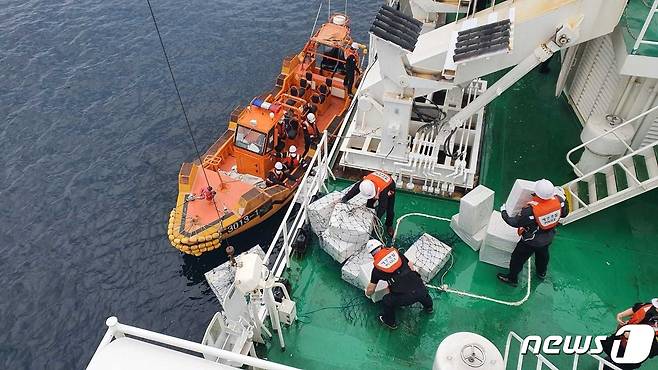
[
  {"x": 632, "y": 21},
  {"x": 599, "y": 265}
]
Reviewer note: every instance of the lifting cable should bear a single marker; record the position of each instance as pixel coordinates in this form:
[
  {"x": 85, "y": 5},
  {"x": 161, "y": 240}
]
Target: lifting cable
[{"x": 187, "y": 120}]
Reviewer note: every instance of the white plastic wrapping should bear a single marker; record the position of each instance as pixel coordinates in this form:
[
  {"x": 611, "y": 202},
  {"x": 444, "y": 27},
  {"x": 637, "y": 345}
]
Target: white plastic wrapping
[
  {"x": 495, "y": 256},
  {"x": 501, "y": 235},
  {"x": 475, "y": 209},
  {"x": 350, "y": 223},
  {"x": 338, "y": 249},
  {"x": 429, "y": 255},
  {"x": 519, "y": 197},
  {"x": 475, "y": 240},
  {"x": 319, "y": 212},
  {"x": 351, "y": 269},
  {"x": 364, "y": 279}
]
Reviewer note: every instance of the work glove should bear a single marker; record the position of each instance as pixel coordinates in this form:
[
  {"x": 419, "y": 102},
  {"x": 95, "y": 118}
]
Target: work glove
[{"x": 502, "y": 208}]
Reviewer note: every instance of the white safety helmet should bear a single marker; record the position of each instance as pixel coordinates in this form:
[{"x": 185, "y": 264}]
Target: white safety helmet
[
  {"x": 355, "y": 45},
  {"x": 372, "y": 245},
  {"x": 367, "y": 189},
  {"x": 654, "y": 302},
  {"x": 292, "y": 149},
  {"x": 310, "y": 117},
  {"x": 544, "y": 189},
  {"x": 278, "y": 166}
]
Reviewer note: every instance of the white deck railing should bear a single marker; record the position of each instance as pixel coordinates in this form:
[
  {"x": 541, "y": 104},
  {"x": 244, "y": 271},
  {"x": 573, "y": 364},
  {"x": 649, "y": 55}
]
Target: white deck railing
[
  {"x": 543, "y": 361},
  {"x": 293, "y": 221},
  {"x": 118, "y": 330},
  {"x": 647, "y": 22},
  {"x": 609, "y": 132}
]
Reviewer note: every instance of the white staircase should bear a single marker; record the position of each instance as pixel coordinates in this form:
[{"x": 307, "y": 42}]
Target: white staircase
[{"x": 634, "y": 173}]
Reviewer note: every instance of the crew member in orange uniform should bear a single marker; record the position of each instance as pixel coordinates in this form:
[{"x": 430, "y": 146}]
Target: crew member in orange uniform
[
  {"x": 379, "y": 189},
  {"x": 640, "y": 314},
  {"x": 404, "y": 283},
  {"x": 536, "y": 224}
]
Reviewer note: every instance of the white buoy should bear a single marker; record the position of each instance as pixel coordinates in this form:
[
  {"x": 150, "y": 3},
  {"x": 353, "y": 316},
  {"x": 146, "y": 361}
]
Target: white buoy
[
  {"x": 467, "y": 351},
  {"x": 600, "y": 151}
]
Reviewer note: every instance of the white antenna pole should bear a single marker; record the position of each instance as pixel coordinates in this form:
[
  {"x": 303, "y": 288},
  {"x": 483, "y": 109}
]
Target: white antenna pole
[{"x": 329, "y": 9}]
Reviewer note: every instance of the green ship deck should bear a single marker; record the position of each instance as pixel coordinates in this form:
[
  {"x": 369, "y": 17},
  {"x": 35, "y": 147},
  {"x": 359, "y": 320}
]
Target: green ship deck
[
  {"x": 599, "y": 265},
  {"x": 632, "y": 21}
]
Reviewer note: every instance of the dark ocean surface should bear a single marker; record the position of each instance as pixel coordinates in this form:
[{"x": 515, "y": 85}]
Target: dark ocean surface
[{"x": 92, "y": 138}]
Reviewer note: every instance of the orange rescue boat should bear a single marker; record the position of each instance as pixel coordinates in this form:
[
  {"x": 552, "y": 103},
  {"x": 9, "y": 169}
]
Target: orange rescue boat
[{"x": 228, "y": 192}]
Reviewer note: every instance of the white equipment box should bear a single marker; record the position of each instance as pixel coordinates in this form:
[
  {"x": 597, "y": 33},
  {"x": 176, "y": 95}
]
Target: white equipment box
[
  {"x": 474, "y": 241},
  {"x": 475, "y": 209},
  {"x": 287, "y": 311},
  {"x": 519, "y": 197},
  {"x": 364, "y": 278}
]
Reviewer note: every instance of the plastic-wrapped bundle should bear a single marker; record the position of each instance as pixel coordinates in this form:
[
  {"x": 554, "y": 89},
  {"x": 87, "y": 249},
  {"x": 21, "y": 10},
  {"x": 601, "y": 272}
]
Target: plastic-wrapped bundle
[
  {"x": 364, "y": 279},
  {"x": 350, "y": 224},
  {"x": 351, "y": 269},
  {"x": 338, "y": 249},
  {"x": 475, "y": 209},
  {"x": 474, "y": 241},
  {"x": 221, "y": 277},
  {"x": 429, "y": 255},
  {"x": 501, "y": 235},
  {"x": 495, "y": 256},
  {"x": 319, "y": 212},
  {"x": 519, "y": 197}
]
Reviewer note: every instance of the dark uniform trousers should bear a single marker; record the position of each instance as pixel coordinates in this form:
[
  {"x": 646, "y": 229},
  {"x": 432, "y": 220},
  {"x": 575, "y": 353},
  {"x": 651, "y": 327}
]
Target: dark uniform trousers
[
  {"x": 522, "y": 253},
  {"x": 391, "y": 301}
]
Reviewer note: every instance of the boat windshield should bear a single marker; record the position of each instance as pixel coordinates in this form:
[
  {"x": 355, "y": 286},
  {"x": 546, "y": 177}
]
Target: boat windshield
[{"x": 247, "y": 138}]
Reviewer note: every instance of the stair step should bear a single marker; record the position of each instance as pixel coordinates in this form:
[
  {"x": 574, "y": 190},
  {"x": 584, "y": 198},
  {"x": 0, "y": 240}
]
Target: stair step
[
  {"x": 583, "y": 191},
  {"x": 601, "y": 185},
  {"x": 610, "y": 181},
  {"x": 641, "y": 170},
  {"x": 620, "y": 177},
  {"x": 651, "y": 161}
]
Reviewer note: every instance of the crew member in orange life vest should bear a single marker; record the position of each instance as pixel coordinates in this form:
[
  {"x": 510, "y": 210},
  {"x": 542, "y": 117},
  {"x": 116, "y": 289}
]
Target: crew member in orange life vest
[
  {"x": 277, "y": 176},
  {"x": 379, "y": 189},
  {"x": 291, "y": 161},
  {"x": 404, "y": 284},
  {"x": 640, "y": 313},
  {"x": 536, "y": 224}
]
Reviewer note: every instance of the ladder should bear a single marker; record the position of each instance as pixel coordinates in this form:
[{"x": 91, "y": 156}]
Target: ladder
[{"x": 632, "y": 174}]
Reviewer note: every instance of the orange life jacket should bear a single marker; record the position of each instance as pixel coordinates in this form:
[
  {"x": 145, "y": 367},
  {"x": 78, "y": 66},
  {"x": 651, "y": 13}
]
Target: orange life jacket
[
  {"x": 291, "y": 162},
  {"x": 380, "y": 179},
  {"x": 547, "y": 212},
  {"x": 637, "y": 318},
  {"x": 387, "y": 260},
  {"x": 640, "y": 314}
]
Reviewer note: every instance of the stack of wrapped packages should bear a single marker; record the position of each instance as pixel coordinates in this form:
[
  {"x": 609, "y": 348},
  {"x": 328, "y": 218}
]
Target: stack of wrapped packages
[
  {"x": 483, "y": 229},
  {"x": 501, "y": 239},
  {"x": 345, "y": 228},
  {"x": 475, "y": 209}
]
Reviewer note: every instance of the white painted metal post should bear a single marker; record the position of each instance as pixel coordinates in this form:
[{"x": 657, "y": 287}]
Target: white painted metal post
[{"x": 647, "y": 22}]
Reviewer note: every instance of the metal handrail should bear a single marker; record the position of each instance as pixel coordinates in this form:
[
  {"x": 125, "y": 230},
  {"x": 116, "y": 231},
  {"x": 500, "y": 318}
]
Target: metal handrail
[
  {"x": 118, "y": 330},
  {"x": 610, "y": 164},
  {"x": 541, "y": 360},
  {"x": 289, "y": 232},
  {"x": 645, "y": 27},
  {"x": 569, "y": 153}
]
